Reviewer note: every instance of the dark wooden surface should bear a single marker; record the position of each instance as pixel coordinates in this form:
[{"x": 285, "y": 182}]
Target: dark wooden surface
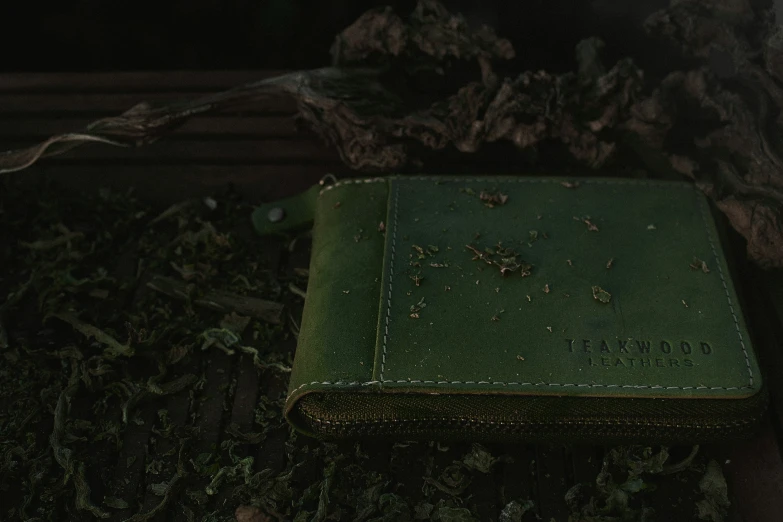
[{"x": 262, "y": 153}]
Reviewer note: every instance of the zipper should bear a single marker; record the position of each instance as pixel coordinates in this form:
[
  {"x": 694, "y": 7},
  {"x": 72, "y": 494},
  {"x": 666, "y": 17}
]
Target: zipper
[
  {"x": 352, "y": 415},
  {"x": 580, "y": 428}
]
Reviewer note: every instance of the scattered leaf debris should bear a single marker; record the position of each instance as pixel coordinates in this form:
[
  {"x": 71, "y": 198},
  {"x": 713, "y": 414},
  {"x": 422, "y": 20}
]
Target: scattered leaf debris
[
  {"x": 601, "y": 295},
  {"x": 651, "y": 226},
  {"x": 546, "y": 288},
  {"x": 479, "y": 459},
  {"x": 698, "y": 264},
  {"x": 493, "y": 199},
  {"x": 590, "y": 225},
  {"x": 714, "y": 506},
  {"x": 418, "y": 307},
  {"x": 506, "y": 259},
  {"x": 65, "y": 238},
  {"x": 570, "y": 184},
  {"x": 610, "y": 263}
]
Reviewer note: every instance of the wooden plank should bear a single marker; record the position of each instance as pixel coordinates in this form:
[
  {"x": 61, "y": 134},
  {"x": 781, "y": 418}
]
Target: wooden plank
[
  {"x": 519, "y": 476},
  {"x": 178, "y": 407},
  {"x": 271, "y": 452},
  {"x": 131, "y": 82},
  {"x": 210, "y": 402},
  {"x": 40, "y": 126},
  {"x": 754, "y": 472},
  {"x": 485, "y": 496},
  {"x": 765, "y": 315},
  {"x": 209, "y": 418},
  {"x": 242, "y": 414},
  {"x": 162, "y": 185},
  {"x": 674, "y": 497},
  {"x": 274, "y": 385},
  {"x": 197, "y": 151},
  {"x": 101, "y": 104},
  {"x": 585, "y": 463},
  {"x": 97, "y": 474},
  {"x": 129, "y": 470},
  {"x": 551, "y": 469},
  {"x": 245, "y": 397}
]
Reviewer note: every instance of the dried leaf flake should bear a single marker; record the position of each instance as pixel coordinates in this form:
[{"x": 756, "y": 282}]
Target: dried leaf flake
[{"x": 601, "y": 295}]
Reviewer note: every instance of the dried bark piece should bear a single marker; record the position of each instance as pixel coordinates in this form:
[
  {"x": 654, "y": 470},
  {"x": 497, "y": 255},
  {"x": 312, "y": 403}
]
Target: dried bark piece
[
  {"x": 761, "y": 224},
  {"x": 735, "y": 156},
  {"x": 372, "y": 120}
]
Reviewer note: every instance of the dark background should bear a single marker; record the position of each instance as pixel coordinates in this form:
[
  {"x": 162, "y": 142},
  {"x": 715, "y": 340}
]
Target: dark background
[{"x": 96, "y": 35}]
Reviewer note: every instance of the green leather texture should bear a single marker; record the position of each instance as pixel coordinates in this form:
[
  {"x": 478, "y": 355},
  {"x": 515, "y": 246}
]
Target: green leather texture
[
  {"x": 625, "y": 294},
  {"x": 292, "y": 213},
  {"x": 340, "y": 319}
]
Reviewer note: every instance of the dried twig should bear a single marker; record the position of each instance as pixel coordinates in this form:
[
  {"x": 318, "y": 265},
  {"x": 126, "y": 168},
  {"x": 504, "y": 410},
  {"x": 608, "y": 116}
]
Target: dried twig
[
  {"x": 113, "y": 347},
  {"x": 224, "y": 302}
]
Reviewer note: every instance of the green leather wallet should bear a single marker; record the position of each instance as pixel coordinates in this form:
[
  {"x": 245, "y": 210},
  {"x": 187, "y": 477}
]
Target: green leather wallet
[{"x": 517, "y": 308}]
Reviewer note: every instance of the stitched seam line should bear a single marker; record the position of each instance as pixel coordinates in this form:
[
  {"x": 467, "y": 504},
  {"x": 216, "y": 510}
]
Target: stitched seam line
[
  {"x": 351, "y": 182},
  {"x": 480, "y": 422},
  {"x": 649, "y": 183},
  {"x": 517, "y": 384},
  {"x": 657, "y": 184},
  {"x": 391, "y": 277},
  {"x": 704, "y": 216}
]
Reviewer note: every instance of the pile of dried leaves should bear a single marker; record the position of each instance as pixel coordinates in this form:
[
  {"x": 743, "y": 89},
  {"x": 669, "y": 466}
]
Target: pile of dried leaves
[{"x": 111, "y": 321}]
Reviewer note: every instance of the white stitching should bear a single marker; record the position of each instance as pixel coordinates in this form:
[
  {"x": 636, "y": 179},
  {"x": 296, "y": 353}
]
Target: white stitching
[
  {"x": 704, "y": 215},
  {"x": 351, "y": 182},
  {"x": 391, "y": 276},
  {"x": 650, "y": 183},
  {"x": 518, "y": 384},
  {"x": 558, "y": 180},
  {"x": 481, "y": 422}
]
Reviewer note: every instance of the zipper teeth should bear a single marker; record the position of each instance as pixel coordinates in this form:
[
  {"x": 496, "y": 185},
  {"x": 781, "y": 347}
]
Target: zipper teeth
[
  {"x": 733, "y": 423},
  {"x": 590, "y": 432},
  {"x": 451, "y": 423}
]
